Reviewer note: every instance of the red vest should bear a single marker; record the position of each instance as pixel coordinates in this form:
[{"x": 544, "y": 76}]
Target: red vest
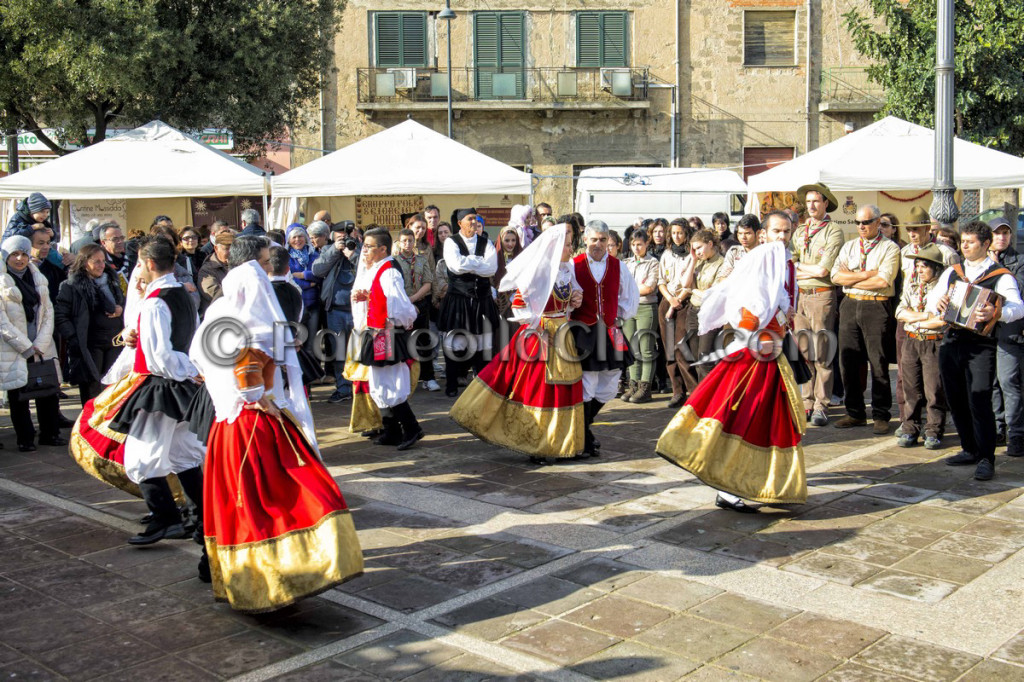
[
  {"x": 600, "y": 300},
  {"x": 140, "y": 366},
  {"x": 377, "y": 306}
]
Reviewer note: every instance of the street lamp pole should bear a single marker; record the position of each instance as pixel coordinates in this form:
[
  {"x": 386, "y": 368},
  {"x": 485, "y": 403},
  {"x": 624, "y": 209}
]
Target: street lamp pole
[
  {"x": 447, "y": 14},
  {"x": 944, "y": 209}
]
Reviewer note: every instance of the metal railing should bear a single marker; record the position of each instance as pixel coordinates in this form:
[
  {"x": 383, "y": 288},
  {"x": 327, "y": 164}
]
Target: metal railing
[
  {"x": 537, "y": 85},
  {"x": 849, "y": 85}
]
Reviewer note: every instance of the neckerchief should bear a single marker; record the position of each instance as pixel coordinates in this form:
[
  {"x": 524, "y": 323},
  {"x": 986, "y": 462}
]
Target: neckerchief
[
  {"x": 867, "y": 248},
  {"x": 411, "y": 262},
  {"x": 922, "y": 289},
  {"x": 914, "y": 250},
  {"x": 811, "y": 233}
]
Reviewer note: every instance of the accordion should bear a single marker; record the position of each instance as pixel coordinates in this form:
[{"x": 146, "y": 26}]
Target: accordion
[{"x": 964, "y": 299}]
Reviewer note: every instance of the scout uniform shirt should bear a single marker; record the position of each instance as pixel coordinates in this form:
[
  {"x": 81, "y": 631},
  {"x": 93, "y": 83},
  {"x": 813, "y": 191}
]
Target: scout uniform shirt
[
  {"x": 879, "y": 254},
  {"x": 817, "y": 245},
  {"x": 915, "y": 299},
  {"x": 670, "y": 272}
]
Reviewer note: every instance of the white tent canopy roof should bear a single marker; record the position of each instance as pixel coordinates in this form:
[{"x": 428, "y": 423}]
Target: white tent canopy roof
[
  {"x": 151, "y": 161},
  {"x": 643, "y": 179},
  {"x": 408, "y": 158},
  {"x": 890, "y": 154}
]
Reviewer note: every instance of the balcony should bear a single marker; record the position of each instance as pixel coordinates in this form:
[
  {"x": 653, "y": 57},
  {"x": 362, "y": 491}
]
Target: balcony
[
  {"x": 847, "y": 89},
  {"x": 537, "y": 89}
]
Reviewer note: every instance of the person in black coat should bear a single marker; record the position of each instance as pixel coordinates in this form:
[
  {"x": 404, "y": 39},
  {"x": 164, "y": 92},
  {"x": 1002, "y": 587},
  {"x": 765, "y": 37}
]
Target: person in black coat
[
  {"x": 88, "y": 314},
  {"x": 289, "y": 297}
]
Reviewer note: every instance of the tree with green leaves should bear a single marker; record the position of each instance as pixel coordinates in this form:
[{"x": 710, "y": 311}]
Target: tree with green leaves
[
  {"x": 81, "y": 65},
  {"x": 989, "y": 64}
]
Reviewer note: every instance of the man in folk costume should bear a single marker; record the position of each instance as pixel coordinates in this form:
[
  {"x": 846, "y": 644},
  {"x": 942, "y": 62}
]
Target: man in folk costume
[
  {"x": 383, "y": 315},
  {"x": 967, "y": 359},
  {"x": 740, "y": 431},
  {"x": 277, "y": 528},
  {"x": 529, "y": 398},
  {"x": 468, "y": 307},
  {"x": 158, "y": 441},
  {"x": 610, "y": 295}
]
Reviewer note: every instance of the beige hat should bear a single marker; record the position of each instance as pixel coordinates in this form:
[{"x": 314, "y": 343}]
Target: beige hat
[
  {"x": 823, "y": 190},
  {"x": 918, "y": 217}
]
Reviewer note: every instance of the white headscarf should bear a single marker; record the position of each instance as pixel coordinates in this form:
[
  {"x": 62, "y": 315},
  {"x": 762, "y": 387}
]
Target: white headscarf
[
  {"x": 249, "y": 303},
  {"x": 534, "y": 272},
  {"x": 758, "y": 284}
]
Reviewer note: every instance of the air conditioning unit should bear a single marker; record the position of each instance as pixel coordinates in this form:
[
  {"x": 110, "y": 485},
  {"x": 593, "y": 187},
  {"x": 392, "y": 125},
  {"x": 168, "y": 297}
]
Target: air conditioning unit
[
  {"x": 405, "y": 79},
  {"x": 608, "y": 76}
]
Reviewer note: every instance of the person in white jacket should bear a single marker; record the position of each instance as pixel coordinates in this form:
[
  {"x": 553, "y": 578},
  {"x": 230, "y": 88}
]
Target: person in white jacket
[{"x": 26, "y": 335}]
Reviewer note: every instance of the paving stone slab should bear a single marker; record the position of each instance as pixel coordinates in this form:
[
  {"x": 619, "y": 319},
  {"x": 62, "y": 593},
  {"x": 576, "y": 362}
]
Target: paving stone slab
[
  {"x": 399, "y": 655},
  {"x": 840, "y": 638},
  {"x": 636, "y": 663},
  {"x": 561, "y": 642},
  {"x": 694, "y": 638},
  {"x": 676, "y": 594},
  {"x": 491, "y": 619},
  {"x": 917, "y": 660},
  {"x": 778, "y": 661},
  {"x": 618, "y": 616}
]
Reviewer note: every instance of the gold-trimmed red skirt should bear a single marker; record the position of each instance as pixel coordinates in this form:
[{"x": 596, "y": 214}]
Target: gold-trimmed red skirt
[
  {"x": 529, "y": 398},
  {"x": 741, "y": 430},
  {"x": 277, "y": 528},
  {"x": 97, "y": 448}
]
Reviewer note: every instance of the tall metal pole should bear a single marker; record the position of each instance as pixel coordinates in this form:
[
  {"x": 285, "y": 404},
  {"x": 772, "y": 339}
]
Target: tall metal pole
[
  {"x": 451, "y": 114},
  {"x": 12, "y": 152},
  {"x": 944, "y": 209},
  {"x": 447, "y": 14}
]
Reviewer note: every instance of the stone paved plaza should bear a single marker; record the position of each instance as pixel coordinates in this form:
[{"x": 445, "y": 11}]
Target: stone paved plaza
[{"x": 481, "y": 566}]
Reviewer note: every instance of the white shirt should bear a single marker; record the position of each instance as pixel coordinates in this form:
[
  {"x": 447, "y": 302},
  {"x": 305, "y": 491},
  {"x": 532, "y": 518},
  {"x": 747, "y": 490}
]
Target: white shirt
[
  {"x": 155, "y": 335},
  {"x": 629, "y": 292},
  {"x": 401, "y": 311},
  {"x": 481, "y": 266},
  {"x": 1005, "y": 286}
]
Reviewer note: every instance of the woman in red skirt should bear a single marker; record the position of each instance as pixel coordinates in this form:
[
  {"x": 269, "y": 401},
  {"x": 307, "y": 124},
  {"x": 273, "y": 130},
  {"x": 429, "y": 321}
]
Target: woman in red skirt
[
  {"x": 277, "y": 528},
  {"x": 529, "y": 398},
  {"x": 741, "y": 428}
]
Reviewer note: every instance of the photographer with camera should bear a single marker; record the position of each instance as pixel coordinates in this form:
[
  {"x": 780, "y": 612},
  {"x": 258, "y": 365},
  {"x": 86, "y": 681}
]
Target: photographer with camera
[{"x": 337, "y": 266}]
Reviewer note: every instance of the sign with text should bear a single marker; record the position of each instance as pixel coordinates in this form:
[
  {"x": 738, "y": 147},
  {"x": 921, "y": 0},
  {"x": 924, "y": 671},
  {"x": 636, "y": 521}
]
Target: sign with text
[
  {"x": 99, "y": 209},
  {"x": 386, "y": 210},
  {"x": 229, "y": 209},
  {"x": 494, "y": 219}
]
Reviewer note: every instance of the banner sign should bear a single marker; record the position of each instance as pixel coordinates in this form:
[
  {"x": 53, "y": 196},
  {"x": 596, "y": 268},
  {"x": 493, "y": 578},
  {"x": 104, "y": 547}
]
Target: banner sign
[
  {"x": 206, "y": 210},
  {"x": 100, "y": 209},
  {"x": 386, "y": 210}
]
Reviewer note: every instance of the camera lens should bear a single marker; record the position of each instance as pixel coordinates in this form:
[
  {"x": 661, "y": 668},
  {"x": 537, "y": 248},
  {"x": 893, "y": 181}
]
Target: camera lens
[{"x": 351, "y": 244}]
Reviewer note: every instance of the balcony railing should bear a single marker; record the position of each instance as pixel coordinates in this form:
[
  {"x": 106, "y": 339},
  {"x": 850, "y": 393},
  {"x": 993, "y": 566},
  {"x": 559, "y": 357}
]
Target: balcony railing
[
  {"x": 502, "y": 88},
  {"x": 848, "y": 89}
]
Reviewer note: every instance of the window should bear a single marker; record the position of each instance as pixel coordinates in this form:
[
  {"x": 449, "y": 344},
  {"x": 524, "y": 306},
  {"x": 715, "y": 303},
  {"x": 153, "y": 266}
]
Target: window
[
  {"x": 602, "y": 39},
  {"x": 769, "y": 38},
  {"x": 499, "y": 51},
  {"x": 401, "y": 38},
  {"x": 759, "y": 159}
]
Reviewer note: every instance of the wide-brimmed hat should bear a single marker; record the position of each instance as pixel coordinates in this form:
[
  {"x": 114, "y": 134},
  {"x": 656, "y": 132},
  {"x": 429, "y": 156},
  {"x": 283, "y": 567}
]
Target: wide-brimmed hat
[
  {"x": 918, "y": 218},
  {"x": 822, "y": 189},
  {"x": 931, "y": 253}
]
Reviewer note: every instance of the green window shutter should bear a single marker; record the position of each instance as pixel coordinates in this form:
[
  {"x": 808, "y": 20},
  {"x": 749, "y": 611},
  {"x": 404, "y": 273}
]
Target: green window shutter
[
  {"x": 389, "y": 38},
  {"x": 602, "y": 39},
  {"x": 414, "y": 39},
  {"x": 769, "y": 38},
  {"x": 511, "y": 39},
  {"x": 401, "y": 38},
  {"x": 615, "y": 47},
  {"x": 485, "y": 40},
  {"x": 588, "y": 40},
  {"x": 499, "y": 47}
]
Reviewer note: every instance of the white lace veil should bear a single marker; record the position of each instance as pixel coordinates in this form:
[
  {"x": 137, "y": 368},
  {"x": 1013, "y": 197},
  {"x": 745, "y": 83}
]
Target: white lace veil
[
  {"x": 758, "y": 284},
  {"x": 534, "y": 271}
]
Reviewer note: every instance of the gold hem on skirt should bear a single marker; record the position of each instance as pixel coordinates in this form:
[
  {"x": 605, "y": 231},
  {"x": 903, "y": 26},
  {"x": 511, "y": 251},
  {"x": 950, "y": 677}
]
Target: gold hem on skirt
[
  {"x": 536, "y": 431},
  {"x": 793, "y": 397},
  {"x": 365, "y": 415},
  {"x": 270, "y": 574},
  {"x": 724, "y": 461}
]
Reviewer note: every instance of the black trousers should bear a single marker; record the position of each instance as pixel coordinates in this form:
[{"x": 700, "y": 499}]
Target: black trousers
[
  {"x": 156, "y": 493},
  {"x": 46, "y": 411},
  {"x": 104, "y": 359},
  {"x": 455, "y": 369},
  {"x": 967, "y": 364},
  {"x": 423, "y": 345},
  {"x": 863, "y": 330}
]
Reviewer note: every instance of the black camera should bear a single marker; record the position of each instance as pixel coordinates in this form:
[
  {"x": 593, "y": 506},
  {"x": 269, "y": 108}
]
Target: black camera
[{"x": 346, "y": 226}]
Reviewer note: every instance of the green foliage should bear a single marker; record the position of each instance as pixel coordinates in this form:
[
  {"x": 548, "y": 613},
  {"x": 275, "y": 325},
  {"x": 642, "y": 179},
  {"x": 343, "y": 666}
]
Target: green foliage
[
  {"x": 988, "y": 57},
  {"x": 247, "y": 65}
]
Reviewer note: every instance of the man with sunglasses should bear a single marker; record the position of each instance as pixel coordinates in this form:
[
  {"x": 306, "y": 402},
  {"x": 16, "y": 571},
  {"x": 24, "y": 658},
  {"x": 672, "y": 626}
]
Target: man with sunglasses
[{"x": 866, "y": 269}]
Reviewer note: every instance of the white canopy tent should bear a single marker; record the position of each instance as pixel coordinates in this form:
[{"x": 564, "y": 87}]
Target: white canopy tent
[
  {"x": 151, "y": 161},
  {"x": 407, "y": 159},
  {"x": 153, "y": 169},
  {"x": 890, "y": 154}
]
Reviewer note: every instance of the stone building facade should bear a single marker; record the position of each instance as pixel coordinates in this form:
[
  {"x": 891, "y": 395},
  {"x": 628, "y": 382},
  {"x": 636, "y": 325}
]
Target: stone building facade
[{"x": 558, "y": 87}]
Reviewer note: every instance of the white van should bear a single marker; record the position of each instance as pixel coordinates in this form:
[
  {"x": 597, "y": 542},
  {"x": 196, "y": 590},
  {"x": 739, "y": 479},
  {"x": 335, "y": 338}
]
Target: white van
[{"x": 619, "y": 195}]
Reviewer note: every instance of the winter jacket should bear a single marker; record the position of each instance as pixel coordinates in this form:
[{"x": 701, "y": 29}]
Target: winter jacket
[
  {"x": 338, "y": 274},
  {"x": 14, "y": 328},
  {"x": 21, "y": 223},
  {"x": 1012, "y": 332},
  {"x": 311, "y": 284},
  {"x": 79, "y": 305},
  {"x": 211, "y": 274}
]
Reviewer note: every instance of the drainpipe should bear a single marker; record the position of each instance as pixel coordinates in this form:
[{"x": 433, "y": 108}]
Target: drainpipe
[
  {"x": 672, "y": 134},
  {"x": 808, "y": 99}
]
